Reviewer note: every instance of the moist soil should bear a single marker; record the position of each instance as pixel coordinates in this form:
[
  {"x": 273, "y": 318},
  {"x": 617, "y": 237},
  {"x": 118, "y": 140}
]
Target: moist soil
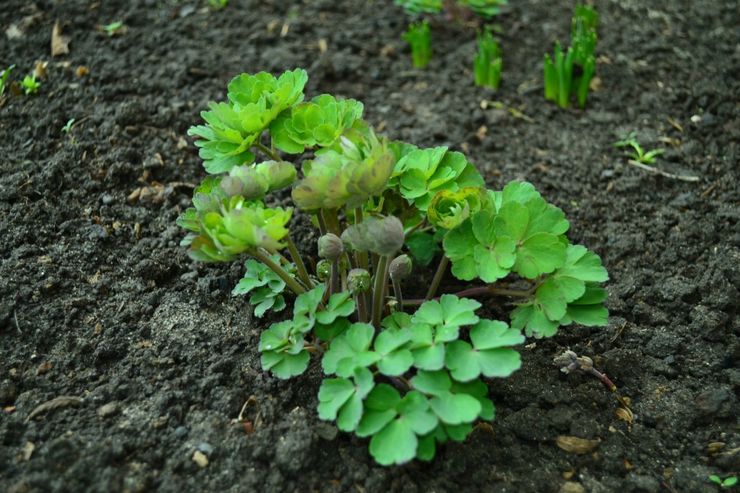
[{"x": 154, "y": 360}]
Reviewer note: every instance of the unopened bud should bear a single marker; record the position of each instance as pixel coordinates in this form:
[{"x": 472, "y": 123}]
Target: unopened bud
[
  {"x": 388, "y": 235},
  {"x": 358, "y": 281},
  {"x": 323, "y": 270},
  {"x": 330, "y": 247},
  {"x": 400, "y": 268}
]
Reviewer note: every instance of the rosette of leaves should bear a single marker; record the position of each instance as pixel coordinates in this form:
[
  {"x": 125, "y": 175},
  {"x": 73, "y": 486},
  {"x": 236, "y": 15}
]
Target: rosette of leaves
[
  {"x": 346, "y": 174},
  {"x": 420, "y": 173},
  {"x": 319, "y": 122},
  {"x": 233, "y": 127},
  {"x": 516, "y": 231},
  {"x": 449, "y": 209},
  {"x": 225, "y": 228},
  {"x": 570, "y": 294},
  {"x": 264, "y": 285}
]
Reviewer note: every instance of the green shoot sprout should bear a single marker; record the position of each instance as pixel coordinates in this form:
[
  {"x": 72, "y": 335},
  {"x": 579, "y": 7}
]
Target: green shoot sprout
[
  {"x": 4, "y": 76},
  {"x": 419, "y": 39},
  {"x": 726, "y": 483},
  {"x": 638, "y": 153},
  {"x": 488, "y": 61},
  {"x": 68, "y": 126},
  {"x": 415, "y": 7},
  {"x": 218, "y": 4},
  {"x": 570, "y": 71},
  {"x": 114, "y": 28},
  {"x": 30, "y": 85},
  {"x": 405, "y": 369},
  {"x": 483, "y": 8}
]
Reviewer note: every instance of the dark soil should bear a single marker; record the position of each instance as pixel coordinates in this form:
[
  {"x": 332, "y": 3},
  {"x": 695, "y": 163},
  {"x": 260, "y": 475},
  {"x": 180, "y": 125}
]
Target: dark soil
[{"x": 98, "y": 301}]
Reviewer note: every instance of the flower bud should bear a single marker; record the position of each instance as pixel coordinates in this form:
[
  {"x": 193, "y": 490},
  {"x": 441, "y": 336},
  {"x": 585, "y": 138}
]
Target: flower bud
[
  {"x": 388, "y": 235},
  {"x": 232, "y": 186},
  {"x": 323, "y": 270},
  {"x": 330, "y": 247},
  {"x": 358, "y": 281},
  {"x": 400, "y": 268}
]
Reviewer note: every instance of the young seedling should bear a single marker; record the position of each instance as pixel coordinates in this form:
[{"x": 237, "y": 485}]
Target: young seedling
[
  {"x": 408, "y": 374},
  {"x": 418, "y": 35},
  {"x": 30, "y": 85},
  {"x": 114, "y": 28},
  {"x": 68, "y": 126},
  {"x": 570, "y": 71},
  {"x": 488, "y": 62},
  {"x": 419, "y": 39},
  {"x": 638, "y": 153},
  {"x": 218, "y": 4},
  {"x": 4, "y": 76},
  {"x": 726, "y": 483}
]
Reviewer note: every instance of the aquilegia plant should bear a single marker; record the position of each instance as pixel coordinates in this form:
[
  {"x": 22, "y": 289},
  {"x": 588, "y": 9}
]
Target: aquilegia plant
[{"x": 408, "y": 374}]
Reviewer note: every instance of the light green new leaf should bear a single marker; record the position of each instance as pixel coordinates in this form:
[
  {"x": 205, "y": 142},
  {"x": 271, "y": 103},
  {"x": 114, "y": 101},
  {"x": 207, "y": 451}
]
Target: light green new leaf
[
  {"x": 341, "y": 398},
  {"x": 447, "y": 315},
  {"x": 350, "y": 350},
  {"x": 392, "y": 347},
  {"x": 489, "y": 355},
  {"x": 397, "y": 441},
  {"x": 339, "y": 305}
]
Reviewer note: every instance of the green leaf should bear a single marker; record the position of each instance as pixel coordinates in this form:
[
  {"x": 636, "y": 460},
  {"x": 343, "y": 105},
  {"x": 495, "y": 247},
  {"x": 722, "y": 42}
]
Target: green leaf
[
  {"x": 426, "y": 448},
  {"x": 533, "y": 321},
  {"x": 582, "y": 264},
  {"x": 455, "y": 409},
  {"x": 479, "y": 390},
  {"x": 330, "y": 331},
  {"x": 350, "y": 350},
  {"x": 341, "y": 398},
  {"x": 395, "y": 357},
  {"x": 541, "y": 253},
  {"x": 397, "y": 441},
  {"x": 423, "y": 247},
  {"x": 319, "y": 122},
  {"x": 489, "y": 355},
  {"x": 339, "y": 305},
  {"x": 432, "y": 382},
  {"x": 447, "y": 315},
  {"x": 428, "y": 353},
  {"x": 284, "y": 365}
]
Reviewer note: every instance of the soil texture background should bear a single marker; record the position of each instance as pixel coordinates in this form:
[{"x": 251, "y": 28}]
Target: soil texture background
[{"x": 154, "y": 360}]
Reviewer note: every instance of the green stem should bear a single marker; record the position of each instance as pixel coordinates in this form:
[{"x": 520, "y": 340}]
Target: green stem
[
  {"x": 381, "y": 278},
  {"x": 361, "y": 304},
  {"x": 267, "y": 151},
  {"x": 441, "y": 269},
  {"x": 482, "y": 291},
  {"x": 289, "y": 280},
  {"x": 397, "y": 294},
  {"x": 362, "y": 261},
  {"x": 334, "y": 278},
  {"x": 298, "y": 261},
  {"x": 322, "y": 223},
  {"x": 331, "y": 218}
]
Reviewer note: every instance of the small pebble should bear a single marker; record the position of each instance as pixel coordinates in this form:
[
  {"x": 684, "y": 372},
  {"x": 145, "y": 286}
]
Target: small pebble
[
  {"x": 181, "y": 432},
  {"x": 108, "y": 410},
  {"x": 200, "y": 458},
  {"x": 205, "y": 447}
]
